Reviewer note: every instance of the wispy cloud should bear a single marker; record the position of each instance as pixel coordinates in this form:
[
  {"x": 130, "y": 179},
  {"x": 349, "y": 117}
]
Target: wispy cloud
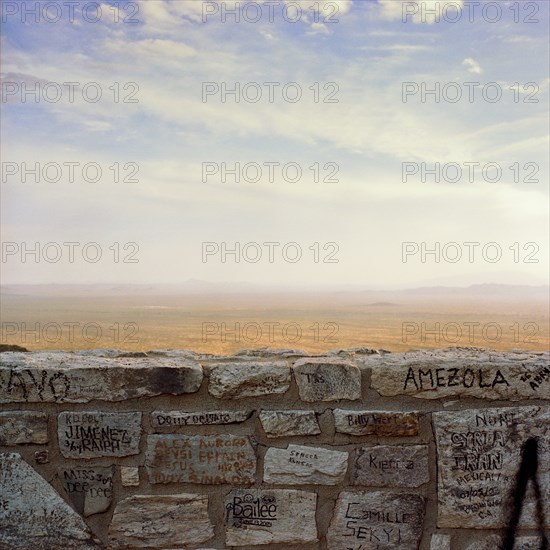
[{"x": 363, "y": 60}]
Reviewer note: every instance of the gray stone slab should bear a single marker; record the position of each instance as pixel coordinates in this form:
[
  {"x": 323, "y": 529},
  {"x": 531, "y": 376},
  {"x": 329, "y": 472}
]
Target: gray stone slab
[
  {"x": 32, "y": 513},
  {"x": 289, "y": 423},
  {"x": 494, "y": 541},
  {"x": 482, "y": 374},
  {"x": 440, "y": 542},
  {"x": 381, "y": 423},
  {"x": 21, "y": 427},
  {"x": 91, "y": 434},
  {"x": 129, "y": 476},
  {"x": 479, "y": 455},
  {"x": 327, "y": 379},
  {"x": 61, "y": 377},
  {"x": 90, "y": 488},
  {"x": 208, "y": 459},
  {"x": 237, "y": 380},
  {"x": 300, "y": 464},
  {"x": 270, "y": 516},
  {"x": 171, "y": 419},
  {"x": 391, "y": 466},
  {"x": 371, "y": 520},
  {"x": 160, "y": 521}
]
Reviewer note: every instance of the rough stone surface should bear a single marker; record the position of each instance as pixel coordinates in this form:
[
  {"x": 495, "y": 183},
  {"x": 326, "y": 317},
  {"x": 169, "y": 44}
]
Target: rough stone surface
[
  {"x": 382, "y": 423},
  {"x": 160, "y": 521},
  {"x": 298, "y": 465},
  {"x": 33, "y": 515},
  {"x": 493, "y": 542},
  {"x": 273, "y": 516},
  {"x": 61, "y": 377},
  {"x": 93, "y": 434},
  {"x": 20, "y": 427},
  {"x": 42, "y": 457},
  {"x": 129, "y": 476},
  {"x": 463, "y": 373},
  {"x": 371, "y": 520},
  {"x": 288, "y": 423},
  {"x": 479, "y": 455},
  {"x": 90, "y": 488},
  {"x": 440, "y": 542},
  {"x": 210, "y": 459},
  {"x": 248, "y": 379},
  {"x": 170, "y": 419},
  {"x": 391, "y": 466},
  {"x": 327, "y": 379}
]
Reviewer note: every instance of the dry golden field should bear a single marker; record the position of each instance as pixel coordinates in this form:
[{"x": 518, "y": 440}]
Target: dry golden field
[{"x": 499, "y": 318}]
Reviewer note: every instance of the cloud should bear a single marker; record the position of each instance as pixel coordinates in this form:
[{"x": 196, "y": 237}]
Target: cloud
[
  {"x": 319, "y": 28},
  {"x": 473, "y": 65},
  {"x": 420, "y": 11}
]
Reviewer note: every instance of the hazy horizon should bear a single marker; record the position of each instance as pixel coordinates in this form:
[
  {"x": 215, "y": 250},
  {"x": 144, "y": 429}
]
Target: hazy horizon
[
  {"x": 136, "y": 318},
  {"x": 358, "y": 167}
]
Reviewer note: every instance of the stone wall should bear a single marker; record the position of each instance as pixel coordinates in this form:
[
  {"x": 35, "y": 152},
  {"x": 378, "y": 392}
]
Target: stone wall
[{"x": 352, "y": 450}]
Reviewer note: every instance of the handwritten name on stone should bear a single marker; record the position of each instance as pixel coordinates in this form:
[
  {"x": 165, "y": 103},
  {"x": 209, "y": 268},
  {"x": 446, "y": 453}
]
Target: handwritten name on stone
[
  {"x": 479, "y": 454},
  {"x": 90, "y": 489},
  {"x": 461, "y": 374},
  {"x": 170, "y": 419},
  {"x": 299, "y": 464},
  {"x": 289, "y": 423},
  {"x": 372, "y": 520},
  {"x": 274, "y": 516},
  {"x": 380, "y": 423},
  {"x": 61, "y": 377},
  {"x": 161, "y": 521},
  {"x": 248, "y": 379},
  {"x": 93, "y": 434},
  {"x": 20, "y": 427},
  {"x": 210, "y": 459},
  {"x": 391, "y": 466},
  {"x": 327, "y": 379},
  {"x": 33, "y": 515}
]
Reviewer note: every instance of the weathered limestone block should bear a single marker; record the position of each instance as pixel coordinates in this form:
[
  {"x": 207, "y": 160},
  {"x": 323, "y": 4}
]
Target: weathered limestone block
[
  {"x": 236, "y": 380},
  {"x": 494, "y": 541},
  {"x": 391, "y": 466},
  {"x": 272, "y": 352},
  {"x": 92, "y": 434},
  {"x": 462, "y": 373},
  {"x": 440, "y": 542},
  {"x": 288, "y": 423},
  {"x": 206, "y": 459},
  {"x": 42, "y": 457},
  {"x": 327, "y": 379},
  {"x": 129, "y": 476},
  {"x": 61, "y": 377},
  {"x": 298, "y": 465},
  {"x": 371, "y": 520},
  {"x": 170, "y": 419},
  {"x": 33, "y": 515},
  {"x": 90, "y": 488},
  {"x": 160, "y": 521},
  {"x": 382, "y": 423},
  {"x": 270, "y": 516},
  {"x": 479, "y": 455},
  {"x": 20, "y": 427}
]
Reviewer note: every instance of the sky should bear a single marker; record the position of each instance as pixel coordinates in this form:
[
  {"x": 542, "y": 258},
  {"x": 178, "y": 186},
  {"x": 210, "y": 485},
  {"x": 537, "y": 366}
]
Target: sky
[{"x": 337, "y": 90}]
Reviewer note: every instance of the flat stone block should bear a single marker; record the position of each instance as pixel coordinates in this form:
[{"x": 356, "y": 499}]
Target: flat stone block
[
  {"x": 208, "y": 459},
  {"x": 299, "y": 465}
]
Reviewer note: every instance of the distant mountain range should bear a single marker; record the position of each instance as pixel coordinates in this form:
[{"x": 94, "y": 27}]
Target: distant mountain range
[{"x": 194, "y": 286}]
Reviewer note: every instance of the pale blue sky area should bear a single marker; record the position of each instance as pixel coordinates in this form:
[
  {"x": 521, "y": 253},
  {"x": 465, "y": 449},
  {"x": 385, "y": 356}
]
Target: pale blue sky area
[{"x": 368, "y": 134}]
